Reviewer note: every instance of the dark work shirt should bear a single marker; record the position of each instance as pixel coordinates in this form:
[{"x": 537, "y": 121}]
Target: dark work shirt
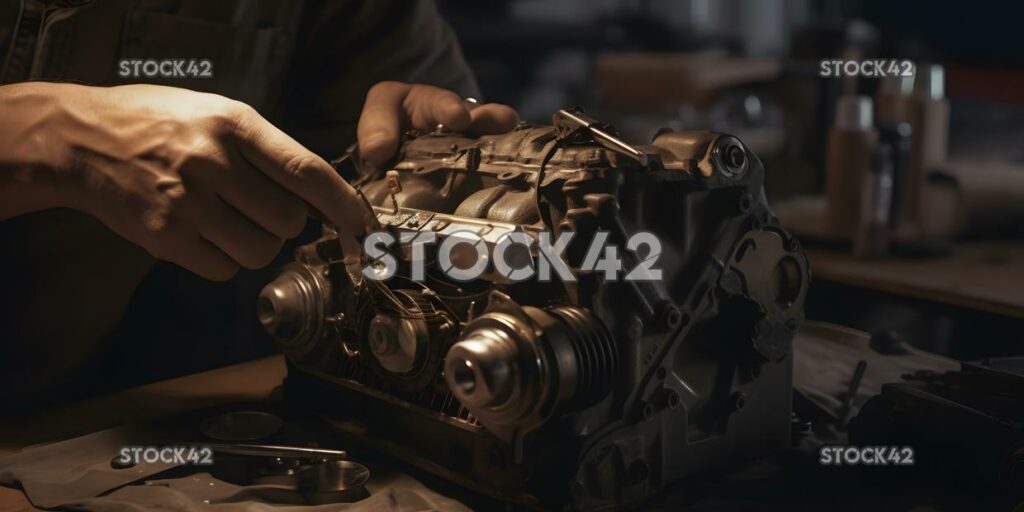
[{"x": 306, "y": 65}]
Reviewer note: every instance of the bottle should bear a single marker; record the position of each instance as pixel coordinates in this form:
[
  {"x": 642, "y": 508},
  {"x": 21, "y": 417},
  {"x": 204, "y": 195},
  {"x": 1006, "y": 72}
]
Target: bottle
[
  {"x": 871, "y": 239},
  {"x": 851, "y": 147},
  {"x": 918, "y": 230},
  {"x": 893, "y": 99}
]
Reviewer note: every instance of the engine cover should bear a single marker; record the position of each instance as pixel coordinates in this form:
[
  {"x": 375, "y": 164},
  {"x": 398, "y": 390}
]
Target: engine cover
[{"x": 581, "y": 391}]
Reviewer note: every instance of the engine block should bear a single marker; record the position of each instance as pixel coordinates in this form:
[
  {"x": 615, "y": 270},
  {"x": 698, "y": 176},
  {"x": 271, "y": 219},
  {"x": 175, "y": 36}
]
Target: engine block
[{"x": 582, "y": 392}]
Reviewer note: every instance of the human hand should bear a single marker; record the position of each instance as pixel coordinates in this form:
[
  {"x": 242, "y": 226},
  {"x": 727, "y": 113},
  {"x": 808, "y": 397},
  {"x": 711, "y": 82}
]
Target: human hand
[
  {"x": 392, "y": 107},
  {"x": 194, "y": 178}
]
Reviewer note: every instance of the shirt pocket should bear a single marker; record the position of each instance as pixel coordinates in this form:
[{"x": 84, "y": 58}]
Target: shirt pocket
[{"x": 243, "y": 63}]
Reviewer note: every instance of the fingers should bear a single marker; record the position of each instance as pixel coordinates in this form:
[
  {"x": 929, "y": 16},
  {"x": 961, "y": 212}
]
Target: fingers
[
  {"x": 492, "y": 118},
  {"x": 257, "y": 197},
  {"x": 203, "y": 258},
  {"x": 380, "y": 123},
  {"x": 394, "y": 106},
  {"x": 305, "y": 174},
  {"x": 430, "y": 106},
  {"x": 236, "y": 236}
]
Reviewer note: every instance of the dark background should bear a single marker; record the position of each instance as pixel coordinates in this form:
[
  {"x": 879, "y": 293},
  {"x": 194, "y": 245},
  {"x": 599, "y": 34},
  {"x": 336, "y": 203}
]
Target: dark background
[
  {"x": 539, "y": 55},
  {"x": 529, "y": 52}
]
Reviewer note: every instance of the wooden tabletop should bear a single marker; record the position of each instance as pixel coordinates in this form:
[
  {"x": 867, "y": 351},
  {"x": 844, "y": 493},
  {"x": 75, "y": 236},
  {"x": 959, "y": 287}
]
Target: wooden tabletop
[
  {"x": 246, "y": 382},
  {"x": 985, "y": 276}
]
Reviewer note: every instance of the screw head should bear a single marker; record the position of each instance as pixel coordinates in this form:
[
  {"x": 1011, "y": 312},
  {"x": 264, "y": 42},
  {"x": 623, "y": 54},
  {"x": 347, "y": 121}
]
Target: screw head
[{"x": 738, "y": 401}]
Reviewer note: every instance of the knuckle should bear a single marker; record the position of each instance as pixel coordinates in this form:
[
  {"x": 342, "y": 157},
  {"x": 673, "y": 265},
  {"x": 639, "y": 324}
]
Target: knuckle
[
  {"x": 232, "y": 113},
  {"x": 174, "y": 194},
  {"x": 453, "y": 111},
  {"x": 203, "y": 161},
  {"x": 301, "y": 167},
  {"x": 175, "y": 199},
  {"x": 386, "y": 86},
  {"x": 195, "y": 166},
  {"x": 507, "y": 113},
  {"x": 163, "y": 222},
  {"x": 160, "y": 223},
  {"x": 378, "y": 145},
  {"x": 238, "y": 109}
]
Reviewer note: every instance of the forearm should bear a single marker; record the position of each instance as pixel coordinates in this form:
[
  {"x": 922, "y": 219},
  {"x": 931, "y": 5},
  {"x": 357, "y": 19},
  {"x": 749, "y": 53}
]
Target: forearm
[{"x": 34, "y": 174}]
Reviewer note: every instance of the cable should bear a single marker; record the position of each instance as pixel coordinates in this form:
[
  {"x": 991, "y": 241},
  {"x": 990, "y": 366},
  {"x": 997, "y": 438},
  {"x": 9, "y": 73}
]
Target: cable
[{"x": 544, "y": 214}]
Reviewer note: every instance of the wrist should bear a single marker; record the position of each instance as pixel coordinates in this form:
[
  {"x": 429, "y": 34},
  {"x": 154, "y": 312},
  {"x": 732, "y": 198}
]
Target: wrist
[{"x": 36, "y": 164}]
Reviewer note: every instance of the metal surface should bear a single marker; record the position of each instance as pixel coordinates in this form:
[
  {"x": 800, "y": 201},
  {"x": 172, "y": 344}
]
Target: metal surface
[
  {"x": 291, "y": 309},
  {"x": 396, "y": 342},
  {"x": 279, "y": 451},
  {"x": 515, "y": 367},
  {"x": 556, "y": 393}
]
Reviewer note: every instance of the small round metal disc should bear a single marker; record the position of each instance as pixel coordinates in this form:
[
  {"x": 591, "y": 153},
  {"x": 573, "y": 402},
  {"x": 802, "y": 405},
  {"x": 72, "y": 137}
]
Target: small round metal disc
[{"x": 333, "y": 481}]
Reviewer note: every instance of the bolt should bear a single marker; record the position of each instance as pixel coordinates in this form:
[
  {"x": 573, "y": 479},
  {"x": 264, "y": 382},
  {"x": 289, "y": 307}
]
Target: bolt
[
  {"x": 735, "y": 157},
  {"x": 636, "y": 328},
  {"x": 671, "y": 315},
  {"x": 648, "y": 410},
  {"x": 745, "y": 202},
  {"x": 737, "y": 401},
  {"x": 673, "y": 399}
]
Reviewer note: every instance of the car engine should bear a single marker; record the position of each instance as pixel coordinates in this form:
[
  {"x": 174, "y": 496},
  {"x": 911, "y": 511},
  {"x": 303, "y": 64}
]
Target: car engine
[{"x": 588, "y": 390}]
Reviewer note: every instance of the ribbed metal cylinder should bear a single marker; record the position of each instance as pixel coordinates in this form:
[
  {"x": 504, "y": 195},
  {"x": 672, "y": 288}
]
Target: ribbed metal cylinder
[{"x": 596, "y": 354}]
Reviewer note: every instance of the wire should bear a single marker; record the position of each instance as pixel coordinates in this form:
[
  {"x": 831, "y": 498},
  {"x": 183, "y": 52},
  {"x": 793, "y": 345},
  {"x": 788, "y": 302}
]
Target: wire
[{"x": 544, "y": 214}]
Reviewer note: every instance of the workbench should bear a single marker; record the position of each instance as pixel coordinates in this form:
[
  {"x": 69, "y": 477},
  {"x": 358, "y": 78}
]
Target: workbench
[
  {"x": 983, "y": 276},
  {"x": 242, "y": 383}
]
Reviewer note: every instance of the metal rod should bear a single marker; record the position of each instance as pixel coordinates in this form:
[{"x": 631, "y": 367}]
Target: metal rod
[{"x": 269, "y": 450}]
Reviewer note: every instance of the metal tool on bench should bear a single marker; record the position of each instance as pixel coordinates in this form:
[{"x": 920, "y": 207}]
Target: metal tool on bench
[
  {"x": 247, "y": 453},
  {"x": 301, "y": 474}
]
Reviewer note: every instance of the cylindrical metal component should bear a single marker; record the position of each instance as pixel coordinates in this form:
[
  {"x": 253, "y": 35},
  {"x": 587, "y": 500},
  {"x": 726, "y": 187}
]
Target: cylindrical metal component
[
  {"x": 514, "y": 367},
  {"x": 481, "y": 368},
  {"x": 398, "y": 343},
  {"x": 405, "y": 337},
  {"x": 496, "y": 368},
  {"x": 291, "y": 309},
  {"x": 592, "y": 348}
]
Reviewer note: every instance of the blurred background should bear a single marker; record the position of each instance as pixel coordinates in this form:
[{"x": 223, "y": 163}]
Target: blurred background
[
  {"x": 907, "y": 192},
  {"x": 744, "y": 65}
]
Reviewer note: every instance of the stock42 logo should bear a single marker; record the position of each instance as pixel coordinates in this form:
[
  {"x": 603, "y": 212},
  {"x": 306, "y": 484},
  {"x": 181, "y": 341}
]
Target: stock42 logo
[{"x": 465, "y": 256}]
